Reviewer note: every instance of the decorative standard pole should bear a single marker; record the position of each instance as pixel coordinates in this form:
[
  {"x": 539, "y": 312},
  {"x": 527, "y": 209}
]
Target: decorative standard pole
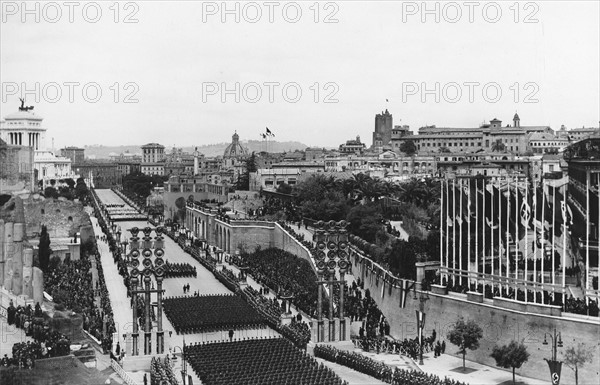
[
  {"x": 319, "y": 238},
  {"x": 343, "y": 266},
  {"x": 159, "y": 273},
  {"x": 134, "y": 284}
]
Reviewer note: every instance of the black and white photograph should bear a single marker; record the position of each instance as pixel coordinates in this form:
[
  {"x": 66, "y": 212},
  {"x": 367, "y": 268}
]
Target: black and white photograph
[{"x": 312, "y": 192}]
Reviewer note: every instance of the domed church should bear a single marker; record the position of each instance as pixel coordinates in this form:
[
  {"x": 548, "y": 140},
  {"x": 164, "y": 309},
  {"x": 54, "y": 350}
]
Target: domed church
[{"x": 235, "y": 149}]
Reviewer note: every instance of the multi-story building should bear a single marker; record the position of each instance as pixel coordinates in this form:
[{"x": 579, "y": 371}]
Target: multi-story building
[
  {"x": 490, "y": 136},
  {"x": 382, "y": 135},
  {"x": 488, "y": 164},
  {"x": 24, "y": 128},
  {"x": 16, "y": 168},
  {"x": 547, "y": 143},
  {"x": 153, "y": 159},
  {"x": 389, "y": 164},
  {"x": 353, "y": 147},
  {"x": 578, "y": 134},
  {"x": 583, "y": 159},
  {"x": 99, "y": 173},
  {"x": 76, "y": 154},
  {"x": 314, "y": 153}
]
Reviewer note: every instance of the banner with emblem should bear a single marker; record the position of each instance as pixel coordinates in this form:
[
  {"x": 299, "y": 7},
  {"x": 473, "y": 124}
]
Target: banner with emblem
[{"x": 555, "y": 367}]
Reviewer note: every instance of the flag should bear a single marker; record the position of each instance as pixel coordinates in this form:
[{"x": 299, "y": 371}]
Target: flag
[
  {"x": 386, "y": 100},
  {"x": 420, "y": 324},
  {"x": 554, "y": 367},
  {"x": 269, "y": 133},
  {"x": 525, "y": 214},
  {"x": 264, "y": 136},
  {"x": 559, "y": 216},
  {"x": 405, "y": 287}
]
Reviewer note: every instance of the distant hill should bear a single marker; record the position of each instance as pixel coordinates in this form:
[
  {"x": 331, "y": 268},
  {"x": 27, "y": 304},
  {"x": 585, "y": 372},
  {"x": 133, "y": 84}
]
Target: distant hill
[{"x": 210, "y": 150}]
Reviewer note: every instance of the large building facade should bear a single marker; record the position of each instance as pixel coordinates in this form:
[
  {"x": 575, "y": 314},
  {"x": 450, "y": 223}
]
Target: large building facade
[
  {"x": 153, "y": 159},
  {"x": 25, "y": 129}
]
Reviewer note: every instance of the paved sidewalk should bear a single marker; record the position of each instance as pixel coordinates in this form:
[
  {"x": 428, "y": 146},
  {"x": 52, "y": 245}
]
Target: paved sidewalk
[
  {"x": 448, "y": 366},
  {"x": 117, "y": 292}
]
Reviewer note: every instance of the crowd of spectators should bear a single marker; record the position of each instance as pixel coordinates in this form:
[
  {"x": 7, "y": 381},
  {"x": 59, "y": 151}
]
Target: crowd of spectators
[
  {"x": 378, "y": 369},
  {"x": 202, "y": 313},
  {"x": 273, "y": 206},
  {"x": 71, "y": 286},
  {"x": 407, "y": 347},
  {"x": 570, "y": 305},
  {"x": 287, "y": 274},
  {"x": 161, "y": 372},
  {"x": 257, "y": 361},
  {"x": 47, "y": 343},
  {"x": 173, "y": 270}
]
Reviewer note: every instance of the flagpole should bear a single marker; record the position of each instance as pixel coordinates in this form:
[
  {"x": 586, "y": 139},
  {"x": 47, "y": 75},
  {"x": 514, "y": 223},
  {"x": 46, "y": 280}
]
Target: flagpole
[
  {"x": 526, "y": 247},
  {"x": 543, "y": 245},
  {"x": 441, "y": 227},
  {"x": 535, "y": 208},
  {"x": 476, "y": 233},
  {"x": 598, "y": 223},
  {"x": 587, "y": 237},
  {"x": 516, "y": 234},
  {"x": 469, "y": 232},
  {"x": 507, "y": 232},
  {"x": 460, "y": 223},
  {"x": 564, "y": 253},
  {"x": 492, "y": 236},
  {"x": 454, "y": 231},
  {"x": 447, "y": 230},
  {"x": 483, "y": 238},
  {"x": 553, "y": 237}
]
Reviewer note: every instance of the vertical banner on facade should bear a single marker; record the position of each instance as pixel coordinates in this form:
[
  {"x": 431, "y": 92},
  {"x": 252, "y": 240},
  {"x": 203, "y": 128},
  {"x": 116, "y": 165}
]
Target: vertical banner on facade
[
  {"x": 555, "y": 367},
  {"x": 420, "y": 324}
]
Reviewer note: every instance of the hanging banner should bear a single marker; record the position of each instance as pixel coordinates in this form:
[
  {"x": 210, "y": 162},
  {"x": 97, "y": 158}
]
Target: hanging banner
[
  {"x": 555, "y": 367},
  {"x": 405, "y": 287}
]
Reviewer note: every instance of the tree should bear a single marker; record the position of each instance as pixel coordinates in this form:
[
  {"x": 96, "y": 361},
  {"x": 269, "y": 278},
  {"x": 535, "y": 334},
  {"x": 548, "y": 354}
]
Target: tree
[
  {"x": 578, "y": 356},
  {"x": 243, "y": 180},
  {"x": 498, "y": 146},
  {"x": 284, "y": 188},
  {"x": 408, "y": 147},
  {"x": 180, "y": 203},
  {"x": 44, "y": 250},
  {"x": 465, "y": 335},
  {"x": 512, "y": 356},
  {"x": 444, "y": 149},
  {"x": 50, "y": 192},
  {"x": 81, "y": 189}
]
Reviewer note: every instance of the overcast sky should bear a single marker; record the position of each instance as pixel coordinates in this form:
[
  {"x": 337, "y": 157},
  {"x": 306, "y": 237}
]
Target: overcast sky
[{"x": 176, "y": 59}]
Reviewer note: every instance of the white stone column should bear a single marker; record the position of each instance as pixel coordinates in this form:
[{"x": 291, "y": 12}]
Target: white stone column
[
  {"x": 17, "y": 265},
  {"x": 8, "y": 255},
  {"x": 28, "y": 273},
  {"x": 38, "y": 285}
]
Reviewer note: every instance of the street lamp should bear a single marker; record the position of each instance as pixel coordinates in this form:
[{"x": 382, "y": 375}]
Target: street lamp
[
  {"x": 556, "y": 341},
  {"x": 420, "y": 320},
  {"x": 183, "y": 363},
  {"x": 553, "y": 364}
]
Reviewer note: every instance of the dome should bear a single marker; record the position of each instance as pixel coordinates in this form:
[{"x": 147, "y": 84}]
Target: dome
[
  {"x": 516, "y": 117},
  {"x": 24, "y": 115},
  {"x": 235, "y": 149}
]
